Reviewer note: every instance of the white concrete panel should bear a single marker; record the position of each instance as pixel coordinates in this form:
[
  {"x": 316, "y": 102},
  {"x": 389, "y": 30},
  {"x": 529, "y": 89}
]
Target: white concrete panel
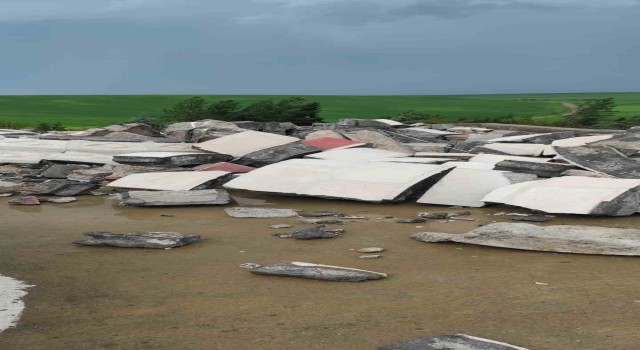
[
  {"x": 243, "y": 143},
  {"x": 357, "y": 154},
  {"x": 167, "y": 181}
]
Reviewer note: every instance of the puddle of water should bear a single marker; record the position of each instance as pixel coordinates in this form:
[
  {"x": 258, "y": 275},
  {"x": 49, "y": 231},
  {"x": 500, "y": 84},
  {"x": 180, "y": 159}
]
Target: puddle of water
[{"x": 197, "y": 297}]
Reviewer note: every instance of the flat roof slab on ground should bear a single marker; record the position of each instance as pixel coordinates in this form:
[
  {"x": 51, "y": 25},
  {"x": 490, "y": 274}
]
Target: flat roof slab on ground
[{"x": 243, "y": 143}]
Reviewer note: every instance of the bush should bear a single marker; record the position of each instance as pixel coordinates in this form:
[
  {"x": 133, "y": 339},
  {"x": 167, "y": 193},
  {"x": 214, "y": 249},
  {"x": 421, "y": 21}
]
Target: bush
[
  {"x": 43, "y": 127},
  {"x": 8, "y": 124},
  {"x": 592, "y": 113}
]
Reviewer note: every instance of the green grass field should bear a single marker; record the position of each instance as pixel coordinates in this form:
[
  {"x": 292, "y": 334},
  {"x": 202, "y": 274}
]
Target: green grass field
[{"x": 80, "y": 111}]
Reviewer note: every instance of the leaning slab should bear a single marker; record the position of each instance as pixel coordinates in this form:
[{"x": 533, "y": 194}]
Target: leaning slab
[
  {"x": 156, "y": 240},
  {"x": 495, "y": 159},
  {"x": 561, "y": 239},
  {"x": 327, "y": 143},
  {"x": 378, "y": 140},
  {"x": 451, "y": 342},
  {"x": 601, "y": 159},
  {"x": 580, "y": 141},
  {"x": 277, "y": 154},
  {"x": 573, "y": 195},
  {"x": 64, "y": 188},
  {"x": 175, "y": 198},
  {"x": 514, "y": 149},
  {"x": 241, "y": 212},
  {"x": 225, "y": 166},
  {"x": 243, "y": 143},
  {"x": 172, "y": 181},
  {"x": 318, "y": 272},
  {"x": 466, "y": 187},
  {"x": 547, "y": 169},
  {"x": 358, "y": 154},
  {"x": 362, "y": 181},
  {"x": 168, "y": 158}
]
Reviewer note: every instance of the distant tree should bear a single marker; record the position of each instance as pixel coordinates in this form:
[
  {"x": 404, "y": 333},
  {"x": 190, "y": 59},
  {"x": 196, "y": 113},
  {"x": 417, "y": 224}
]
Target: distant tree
[
  {"x": 195, "y": 108},
  {"x": 413, "y": 117},
  {"x": 593, "y": 112},
  {"x": 43, "y": 127},
  {"x": 295, "y": 110},
  {"x": 224, "y": 110}
]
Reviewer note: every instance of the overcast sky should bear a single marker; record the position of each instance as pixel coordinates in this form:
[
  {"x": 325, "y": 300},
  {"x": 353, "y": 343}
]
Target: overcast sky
[{"x": 318, "y": 46}]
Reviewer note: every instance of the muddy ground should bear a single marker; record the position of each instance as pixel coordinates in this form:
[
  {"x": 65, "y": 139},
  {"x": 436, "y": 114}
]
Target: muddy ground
[{"x": 197, "y": 297}]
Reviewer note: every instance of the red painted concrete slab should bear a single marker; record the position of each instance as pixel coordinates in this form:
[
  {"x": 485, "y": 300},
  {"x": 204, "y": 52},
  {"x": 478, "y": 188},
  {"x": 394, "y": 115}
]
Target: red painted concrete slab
[
  {"x": 331, "y": 143},
  {"x": 228, "y": 167}
]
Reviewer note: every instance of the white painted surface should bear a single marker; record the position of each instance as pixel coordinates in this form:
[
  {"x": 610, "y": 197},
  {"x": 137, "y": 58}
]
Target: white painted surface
[
  {"x": 365, "y": 181},
  {"x": 465, "y": 187},
  {"x": 562, "y": 195},
  {"x": 356, "y": 154},
  {"x": 243, "y": 143},
  {"x": 495, "y": 159},
  {"x": 580, "y": 141},
  {"x": 167, "y": 181},
  {"x": 12, "y": 292}
]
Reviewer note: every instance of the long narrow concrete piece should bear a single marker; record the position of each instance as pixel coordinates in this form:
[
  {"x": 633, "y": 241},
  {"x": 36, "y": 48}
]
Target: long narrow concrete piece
[
  {"x": 168, "y": 158},
  {"x": 514, "y": 149},
  {"x": 363, "y": 181},
  {"x": 172, "y": 181},
  {"x": 601, "y": 159},
  {"x": 243, "y": 143},
  {"x": 562, "y": 238},
  {"x": 175, "y": 198},
  {"x": 572, "y": 195},
  {"x": 466, "y": 187}
]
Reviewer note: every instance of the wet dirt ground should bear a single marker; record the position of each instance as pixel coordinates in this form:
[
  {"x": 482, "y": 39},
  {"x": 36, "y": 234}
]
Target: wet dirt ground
[{"x": 197, "y": 297}]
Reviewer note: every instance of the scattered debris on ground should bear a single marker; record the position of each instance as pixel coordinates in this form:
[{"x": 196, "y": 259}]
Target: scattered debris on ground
[
  {"x": 318, "y": 272},
  {"x": 156, "y": 240},
  {"x": 451, "y": 342}
]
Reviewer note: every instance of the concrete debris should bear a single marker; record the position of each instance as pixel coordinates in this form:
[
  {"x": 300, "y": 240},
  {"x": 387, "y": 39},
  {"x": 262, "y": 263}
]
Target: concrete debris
[
  {"x": 390, "y": 122},
  {"x": 224, "y": 166},
  {"x": 121, "y": 170},
  {"x": 451, "y": 342},
  {"x": 62, "y": 200},
  {"x": 172, "y": 181},
  {"x": 194, "y": 131},
  {"x": 318, "y": 214},
  {"x": 155, "y": 240},
  {"x": 240, "y": 212},
  {"x": 320, "y": 134},
  {"x": 139, "y": 129},
  {"x": 169, "y": 158},
  {"x": 455, "y": 188},
  {"x": 279, "y": 226},
  {"x": 572, "y": 195},
  {"x": 60, "y": 171},
  {"x": 364, "y": 181},
  {"x": 326, "y": 143},
  {"x": 411, "y": 221},
  {"x": 8, "y": 187},
  {"x": 94, "y": 175},
  {"x": 495, "y": 159},
  {"x": 27, "y": 200},
  {"x": 322, "y": 222},
  {"x": 244, "y": 143},
  {"x": 64, "y": 188},
  {"x": 530, "y": 218},
  {"x": 371, "y": 250},
  {"x": 601, "y": 159},
  {"x": 561, "y": 239},
  {"x": 514, "y": 149},
  {"x": 357, "y": 154},
  {"x": 175, "y": 198},
  {"x": 378, "y": 140},
  {"x": 362, "y": 123},
  {"x": 318, "y": 272},
  {"x": 317, "y": 232},
  {"x": 585, "y": 173},
  {"x": 547, "y": 169},
  {"x": 276, "y": 154},
  {"x": 443, "y": 215},
  {"x": 580, "y": 141},
  {"x": 428, "y": 147},
  {"x": 371, "y": 256},
  {"x": 458, "y": 156}
]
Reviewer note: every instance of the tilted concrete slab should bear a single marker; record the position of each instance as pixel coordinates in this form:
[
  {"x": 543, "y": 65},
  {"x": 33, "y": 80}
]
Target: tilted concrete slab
[
  {"x": 357, "y": 154},
  {"x": 495, "y": 159},
  {"x": 601, "y": 159},
  {"x": 561, "y": 239},
  {"x": 516, "y": 138},
  {"x": 467, "y": 187},
  {"x": 276, "y": 154},
  {"x": 378, "y": 140},
  {"x": 514, "y": 149},
  {"x": 327, "y": 143},
  {"x": 390, "y": 122},
  {"x": 580, "y": 141},
  {"x": 243, "y": 143},
  {"x": 171, "y": 181},
  {"x": 224, "y": 166},
  {"x": 433, "y": 131},
  {"x": 363, "y": 181},
  {"x": 168, "y": 158},
  {"x": 572, "y": 195}
]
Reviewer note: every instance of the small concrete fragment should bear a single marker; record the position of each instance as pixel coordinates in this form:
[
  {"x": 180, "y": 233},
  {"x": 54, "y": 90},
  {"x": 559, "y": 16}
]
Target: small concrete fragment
[
  {"x": 373, "y": 256},
  {"x": 27, "y": 200},
  {"x": 530, "y": 218},
  {"x": 451, "y": 342},
  {"x": 175, "y": 198},
  {"x": 317, "y": 232},
  {"x": 64, "y": 188},
  {"x": 155, "y": 240},
  {"x": 443, "y": 215},
  {"x": 240, "y": 212},
  {"x": 411, "y": 221},
  {"x": 318, "y": 214},
  {"x": 62, "y": 200},
  {"x": 322, "y": 222},
  {"x": 93, "y": 175},
  {"x": 327, "y": 143},
  {"x": 371, "y": 250},
  {"x": 562, "y": 238},
  {"x": 280, "y": 226},
  {"x": 318, "y": 272}
]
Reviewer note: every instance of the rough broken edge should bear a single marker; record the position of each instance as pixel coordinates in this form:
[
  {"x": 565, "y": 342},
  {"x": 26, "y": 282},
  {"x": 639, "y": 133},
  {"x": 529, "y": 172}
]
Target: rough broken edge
[{"x": 12, "y": 292}]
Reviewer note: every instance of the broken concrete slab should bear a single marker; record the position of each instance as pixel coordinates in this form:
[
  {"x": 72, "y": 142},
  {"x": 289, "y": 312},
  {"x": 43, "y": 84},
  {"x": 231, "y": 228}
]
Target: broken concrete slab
[
  {"x": 417, "y": 160},
  {"x": 318, "y": 272},
  {"x": 580, "y": 141},
  {"x": 357, "y": 154},
  {"x": 169, "y": 158},
  {"x": 60, "y": 171},
  {"x": 8, "y": 186},
  {"x": 363, "y": 181},
  {"x": 243, "y": 143},
  {"x": 194, "y": 131},
  {"x": 62, "y": 200},
  {"x": 547, "y": 169},
  {"x": 317, "y": 232},
  {"x": 172, "y": 181},
  {"x": 378, "y": 140},
  {"x": 460, "y": 156},
  {"x": 131, "y": 128},
  {"x": 561, "y": 238},
  {"x": 64, "y": 188},
  {"x": 225, "y": 166},
  {"x": 276, "y": 154},
  {"x": 322, "y": 221},
  {"x": 155, "y": 240},
  {"x": 326, "y": 143},
  {"x": 26, "y": 200},
  {"x": 495, "y": 159},
  {"x": 467, "y": 187},
  {"x": 324, "y": 134},
  {"x": 122, "y": 170},
  {"x": 601, "y": 159},
  {"x": 514, "y": 149},
  {"x": 241, "y": 212},
  {"x": 428, "y": 147},
  {"x": 361, "y": 123},
  {"x": 390, "y": 122},
  {"x": 572, "y": 195},
  {"x": 469, "y": 165},
  {"x": 175, "y": 198},
  {"x": 95, "y": 175},
  {"x": 586, "y": 173},
  {"x": 451, "y": 342}
]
